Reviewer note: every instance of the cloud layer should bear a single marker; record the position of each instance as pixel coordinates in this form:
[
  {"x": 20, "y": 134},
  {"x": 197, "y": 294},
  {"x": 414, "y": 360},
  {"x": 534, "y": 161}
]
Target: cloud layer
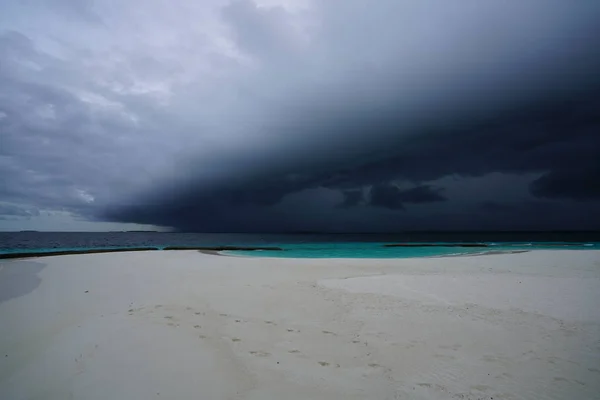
[{"x": 303, "y": 115}]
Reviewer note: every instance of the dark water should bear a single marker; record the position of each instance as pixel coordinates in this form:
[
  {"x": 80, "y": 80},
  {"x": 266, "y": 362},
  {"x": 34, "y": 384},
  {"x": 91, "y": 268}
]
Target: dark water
[{"x": 301, "y": 245}]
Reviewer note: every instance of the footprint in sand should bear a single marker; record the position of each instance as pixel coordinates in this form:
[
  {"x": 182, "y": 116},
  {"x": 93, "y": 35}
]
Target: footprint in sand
[
  {"x": 454, "y": 347},
  {"x": 480, "y": 388},
  {"x": 294, "y": 351},
  {"x": 323, "y": 363},
  {"x": 490, "y": 358},
  {"x": 197, "y": 326},
  {"x": 435, "y": 386},
  {"x": 236, "y": 339},
  {"x": 133, "y": 310},
  {"x": 444, "y": 356},
  {"x": 260, "y": 353},
  {"x": 270, "y": 323},
  {"x": 330, "y": 333}
]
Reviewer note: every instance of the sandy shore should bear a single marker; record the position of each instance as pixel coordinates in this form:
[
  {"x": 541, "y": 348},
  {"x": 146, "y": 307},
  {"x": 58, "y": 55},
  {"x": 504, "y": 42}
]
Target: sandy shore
[{"x": 187, "y": 325}]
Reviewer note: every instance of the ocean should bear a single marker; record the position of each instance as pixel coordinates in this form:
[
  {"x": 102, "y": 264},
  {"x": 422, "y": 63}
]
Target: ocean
[{"x": 306, "y": 245}]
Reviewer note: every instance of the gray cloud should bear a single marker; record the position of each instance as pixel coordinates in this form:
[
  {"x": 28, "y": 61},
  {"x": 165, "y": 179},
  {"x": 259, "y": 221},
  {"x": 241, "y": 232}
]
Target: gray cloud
[
  {"x": 216, "y": 116},
  {"x": 12, "y": 210},
  {"x": 261, "y": 32}
]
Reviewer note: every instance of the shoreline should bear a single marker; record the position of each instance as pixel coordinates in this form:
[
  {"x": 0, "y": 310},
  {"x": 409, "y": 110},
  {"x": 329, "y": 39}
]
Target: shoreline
[
  {"x": 489, "y": 253},
  {"x": 215, "y": 250},
  {"x": 229, "y": 251},
  {"x": 24, "y": 255}
]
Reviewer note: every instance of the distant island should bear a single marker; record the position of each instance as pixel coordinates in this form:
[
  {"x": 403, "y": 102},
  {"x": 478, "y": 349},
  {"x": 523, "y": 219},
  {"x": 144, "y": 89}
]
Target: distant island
[{"x": 137, "y": 231}]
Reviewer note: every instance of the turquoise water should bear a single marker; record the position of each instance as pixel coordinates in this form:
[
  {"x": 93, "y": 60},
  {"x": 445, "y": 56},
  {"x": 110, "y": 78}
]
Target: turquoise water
[
  {"x": 377, "y": 250},
  {"x": 357, "y": 250}
]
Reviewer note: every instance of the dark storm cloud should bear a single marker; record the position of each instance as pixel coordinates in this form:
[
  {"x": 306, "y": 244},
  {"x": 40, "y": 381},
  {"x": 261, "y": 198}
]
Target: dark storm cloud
[
  {"x": 391, "y": 196},
  {"x": 352, "y": 198},
  {"x": 387, "y": 196},
  {"x": 421, "y": 194},
  {"x": 557, "y": 140},
  {"x": 574, "y": 183},
  {"x": 240, "y": 116},
  {"x": 359, "y": 135},
  {"x": 537, "y": 215},
  {"x": 495, "y": 207}
]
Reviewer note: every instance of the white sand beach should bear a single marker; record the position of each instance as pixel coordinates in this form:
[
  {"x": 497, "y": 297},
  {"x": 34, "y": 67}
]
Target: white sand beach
[{"x": 187, "y": 325}]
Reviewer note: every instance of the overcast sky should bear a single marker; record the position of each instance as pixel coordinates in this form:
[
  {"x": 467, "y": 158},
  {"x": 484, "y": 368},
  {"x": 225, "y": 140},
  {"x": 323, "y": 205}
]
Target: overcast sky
[{"x": 289, "y": 115}]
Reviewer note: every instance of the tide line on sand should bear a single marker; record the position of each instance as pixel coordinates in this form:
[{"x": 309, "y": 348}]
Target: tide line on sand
[{"x": 205, "y": 249}]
